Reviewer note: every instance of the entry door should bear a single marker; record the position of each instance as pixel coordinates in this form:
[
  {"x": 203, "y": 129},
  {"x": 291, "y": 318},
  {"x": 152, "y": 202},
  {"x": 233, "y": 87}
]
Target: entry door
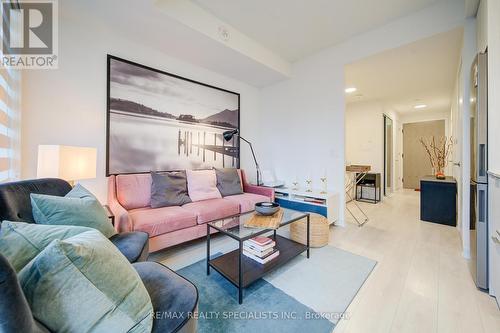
[
  {"x": 416, "y": 162},
  {"x": 388, "y": 154}
]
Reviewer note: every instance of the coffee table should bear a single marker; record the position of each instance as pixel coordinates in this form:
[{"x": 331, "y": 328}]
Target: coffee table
[{"x": 242, "y": 271}]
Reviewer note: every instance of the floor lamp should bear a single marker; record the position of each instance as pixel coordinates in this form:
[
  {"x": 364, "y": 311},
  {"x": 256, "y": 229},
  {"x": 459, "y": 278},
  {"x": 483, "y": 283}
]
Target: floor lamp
[{"x": 228, "y": 135}]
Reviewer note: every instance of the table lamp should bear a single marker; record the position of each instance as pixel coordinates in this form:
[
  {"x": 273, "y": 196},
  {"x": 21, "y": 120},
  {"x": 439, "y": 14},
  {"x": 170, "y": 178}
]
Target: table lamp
[
  {"x": 66, "y": 162},
  {"x": 228, "y": 135}
]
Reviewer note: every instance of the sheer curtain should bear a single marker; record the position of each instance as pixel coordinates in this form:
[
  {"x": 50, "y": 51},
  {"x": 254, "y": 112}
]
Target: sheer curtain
[{"x": 10, "y": 123}]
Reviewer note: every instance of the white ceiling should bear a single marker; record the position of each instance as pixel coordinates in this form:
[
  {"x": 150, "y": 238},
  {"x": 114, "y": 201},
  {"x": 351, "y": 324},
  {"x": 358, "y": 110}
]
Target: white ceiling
[
  {"x": 290, "y": 29},
  {"x": 295, "y": 29},
  {"x": 144, "y": 23},
  {"x": 423, "y": 72}
]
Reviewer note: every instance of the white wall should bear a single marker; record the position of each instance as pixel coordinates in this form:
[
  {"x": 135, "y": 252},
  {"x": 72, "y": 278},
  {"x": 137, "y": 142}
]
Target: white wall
[
  {"x": 68, "y": 105},
  {"x": 481, "y": 26},
  {"x": 456, "y": 132},
  {"x": 304, "y": 116},
  {"x": 460, "y": 130},
  {"x": 398, "y": 161},
  {"x": 364, "y": 135}
]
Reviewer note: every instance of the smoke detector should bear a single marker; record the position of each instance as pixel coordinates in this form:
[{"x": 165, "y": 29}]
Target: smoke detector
[{"x": 224, "y": 33}]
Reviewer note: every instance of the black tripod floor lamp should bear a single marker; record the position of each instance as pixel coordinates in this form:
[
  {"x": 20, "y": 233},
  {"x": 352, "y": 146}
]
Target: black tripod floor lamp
[{"x": 228, "y": 135}]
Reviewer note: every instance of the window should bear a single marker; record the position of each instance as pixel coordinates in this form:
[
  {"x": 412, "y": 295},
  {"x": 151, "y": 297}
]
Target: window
[{"x": 10, "y": 124}]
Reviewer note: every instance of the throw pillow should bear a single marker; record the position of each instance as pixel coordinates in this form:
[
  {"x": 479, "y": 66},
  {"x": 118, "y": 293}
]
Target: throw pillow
[
  {"x": 202, "y": 185},
  {"x": 79, "y": 208},
  {"x": 228, "y": 181},
  {"x": 85, "y": 284},
  {"x": 20, "y": 242},
  {"x": 15, "y": 312},
  {"x": 169, "y": 189}
]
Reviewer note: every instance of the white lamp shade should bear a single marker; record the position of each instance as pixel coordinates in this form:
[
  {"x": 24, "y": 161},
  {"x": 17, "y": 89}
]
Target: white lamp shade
[{"x": 66, "y": 162}]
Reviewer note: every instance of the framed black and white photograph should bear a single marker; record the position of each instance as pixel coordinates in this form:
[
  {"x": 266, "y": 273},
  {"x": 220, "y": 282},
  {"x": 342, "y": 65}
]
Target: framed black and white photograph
[{"x": 158, "y": 121}]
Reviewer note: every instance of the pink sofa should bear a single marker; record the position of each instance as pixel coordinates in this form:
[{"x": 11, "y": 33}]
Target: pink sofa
[{"x": 129, "y": 199}]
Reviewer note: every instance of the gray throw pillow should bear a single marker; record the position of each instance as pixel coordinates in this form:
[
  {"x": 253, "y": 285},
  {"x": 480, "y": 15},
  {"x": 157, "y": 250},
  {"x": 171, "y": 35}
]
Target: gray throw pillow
[
  {"x": 228, "y": 182},
  {"x": 79, "y": 208},
  {"x": 84, "y": 284},
  {"x": 169, "y": 189}
]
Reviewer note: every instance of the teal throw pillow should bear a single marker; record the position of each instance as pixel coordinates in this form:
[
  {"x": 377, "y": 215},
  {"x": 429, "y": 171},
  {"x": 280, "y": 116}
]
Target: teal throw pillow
[
  {"x": 20, "y": 242},
  {"x": 84, "y": 284},
  {"x": 79, "y": 208}
]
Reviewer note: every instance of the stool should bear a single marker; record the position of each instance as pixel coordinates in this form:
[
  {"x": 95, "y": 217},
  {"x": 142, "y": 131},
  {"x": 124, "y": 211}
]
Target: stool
[{"x": 319, "y": 233}]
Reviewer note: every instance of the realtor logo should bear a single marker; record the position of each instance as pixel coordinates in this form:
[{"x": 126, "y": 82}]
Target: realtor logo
[{"x": 29, "y": 34}]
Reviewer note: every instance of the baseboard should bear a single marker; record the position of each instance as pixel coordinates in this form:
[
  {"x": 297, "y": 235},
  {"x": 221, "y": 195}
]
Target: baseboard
[{"x": 466, "y": 254}]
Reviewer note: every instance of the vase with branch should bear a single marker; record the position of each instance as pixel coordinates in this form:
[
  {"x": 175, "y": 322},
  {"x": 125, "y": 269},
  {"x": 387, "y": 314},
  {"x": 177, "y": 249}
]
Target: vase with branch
[{"x": 438, "y": 151}]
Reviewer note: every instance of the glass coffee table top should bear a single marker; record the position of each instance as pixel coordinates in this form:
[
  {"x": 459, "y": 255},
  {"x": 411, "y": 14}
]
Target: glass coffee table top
[{"x": 235, "y": 226}]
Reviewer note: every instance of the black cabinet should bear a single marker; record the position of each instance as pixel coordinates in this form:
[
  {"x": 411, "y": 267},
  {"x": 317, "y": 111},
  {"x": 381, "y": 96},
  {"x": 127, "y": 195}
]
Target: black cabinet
[{"x": 438, "y": 200}]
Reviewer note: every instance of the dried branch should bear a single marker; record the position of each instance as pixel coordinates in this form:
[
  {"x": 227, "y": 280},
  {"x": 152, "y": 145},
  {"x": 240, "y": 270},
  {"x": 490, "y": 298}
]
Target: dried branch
[{"x": 438, "y": 152}]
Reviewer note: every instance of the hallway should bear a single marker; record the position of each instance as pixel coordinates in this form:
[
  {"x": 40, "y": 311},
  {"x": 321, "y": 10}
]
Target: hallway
[{"x": 421, "y": 282}]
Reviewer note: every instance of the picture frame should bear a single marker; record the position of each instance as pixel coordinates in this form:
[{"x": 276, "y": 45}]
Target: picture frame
[{"x": 159, "y": 121}]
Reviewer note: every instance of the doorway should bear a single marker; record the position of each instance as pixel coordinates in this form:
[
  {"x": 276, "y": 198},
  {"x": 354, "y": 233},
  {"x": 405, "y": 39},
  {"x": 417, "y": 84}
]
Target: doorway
[
  {"x": 395, "y": 87},
  {"x": 415, "y": 160},
  {"x": 388, "y": 154}
]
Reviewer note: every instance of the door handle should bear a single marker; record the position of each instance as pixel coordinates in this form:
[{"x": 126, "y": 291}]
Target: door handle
[
  {"x": 456, "y": 164},
  {"x": 482, "y": 159},
  {"x": 481, "y": 211}
]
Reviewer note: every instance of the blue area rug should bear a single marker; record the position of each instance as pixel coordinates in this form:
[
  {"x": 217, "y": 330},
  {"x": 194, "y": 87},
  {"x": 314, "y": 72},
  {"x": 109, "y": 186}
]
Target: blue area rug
[{"x": 265, "y": 308}]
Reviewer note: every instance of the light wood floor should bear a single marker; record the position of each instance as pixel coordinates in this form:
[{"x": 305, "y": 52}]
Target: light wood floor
[{"x": 420, "y": 284}]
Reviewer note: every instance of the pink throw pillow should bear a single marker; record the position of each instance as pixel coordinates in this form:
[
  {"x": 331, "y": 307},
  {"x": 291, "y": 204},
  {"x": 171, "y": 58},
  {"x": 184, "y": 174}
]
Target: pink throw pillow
[{"x": 202, "y": 185}]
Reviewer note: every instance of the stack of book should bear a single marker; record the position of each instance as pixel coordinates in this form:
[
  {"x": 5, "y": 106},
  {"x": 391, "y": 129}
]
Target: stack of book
[
  {"x": 260, "y": 249},
  {"x": 315, "y": 200}
]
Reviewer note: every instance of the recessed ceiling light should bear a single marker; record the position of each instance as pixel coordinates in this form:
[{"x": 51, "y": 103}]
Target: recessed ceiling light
[
  {"x": 350, "y": 90},
  {"x": 420, "y": 106}
]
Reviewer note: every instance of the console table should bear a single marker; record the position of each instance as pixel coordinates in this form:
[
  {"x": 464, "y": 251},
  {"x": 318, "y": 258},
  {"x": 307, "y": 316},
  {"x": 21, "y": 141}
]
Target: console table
[
  {"x": 372, "y": 182},
  {"x": 355, "y": 174}
]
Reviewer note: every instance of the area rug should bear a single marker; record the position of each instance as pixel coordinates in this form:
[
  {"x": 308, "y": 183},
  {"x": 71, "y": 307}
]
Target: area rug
[
  {"x": 305, "y": 295},
  {"x": 334, "y": 276}
]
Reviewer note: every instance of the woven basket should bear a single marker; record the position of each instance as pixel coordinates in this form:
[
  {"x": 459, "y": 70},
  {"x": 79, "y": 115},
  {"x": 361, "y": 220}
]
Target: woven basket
[{"x": 319, "y": 233}]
